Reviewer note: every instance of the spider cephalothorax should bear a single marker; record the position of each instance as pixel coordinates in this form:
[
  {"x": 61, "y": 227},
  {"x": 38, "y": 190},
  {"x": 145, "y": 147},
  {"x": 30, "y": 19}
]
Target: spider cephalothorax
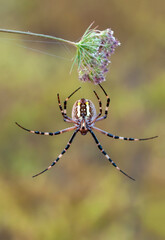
[{"x": 84, "y": 117}]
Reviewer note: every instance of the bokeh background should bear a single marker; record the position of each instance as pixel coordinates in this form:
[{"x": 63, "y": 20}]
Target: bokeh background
[{"x": 83, "y": 196}]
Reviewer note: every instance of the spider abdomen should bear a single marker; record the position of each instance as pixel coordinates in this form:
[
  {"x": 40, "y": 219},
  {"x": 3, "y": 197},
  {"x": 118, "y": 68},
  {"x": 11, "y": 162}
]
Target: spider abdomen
[{"x": 83, "y": 108}]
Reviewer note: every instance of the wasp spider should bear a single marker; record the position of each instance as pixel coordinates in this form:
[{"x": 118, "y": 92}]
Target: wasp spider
[{"x": 84, "y": 117}]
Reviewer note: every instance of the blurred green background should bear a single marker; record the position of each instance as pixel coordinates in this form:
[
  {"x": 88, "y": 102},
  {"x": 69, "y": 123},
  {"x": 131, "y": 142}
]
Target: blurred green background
[{"x": 83, "y": 196}]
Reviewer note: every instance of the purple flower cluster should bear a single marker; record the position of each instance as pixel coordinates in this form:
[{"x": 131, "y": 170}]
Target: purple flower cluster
[{"x": 95, "y": 49}]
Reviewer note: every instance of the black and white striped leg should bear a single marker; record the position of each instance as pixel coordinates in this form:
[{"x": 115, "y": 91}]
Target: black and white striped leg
[
  {"x": 106, "y": 155},
  {"x": 100, "y": 107},
  {"x": 122, "y": 138},
  {"x": 66, "y": 118},
  {"x": 107, "y": 105},
  {"x": 59, "y": 103},
  {"x": 65, "y": 102},
  {"x": 61, "y": 154},
  {"x": 48, "y": 133}
]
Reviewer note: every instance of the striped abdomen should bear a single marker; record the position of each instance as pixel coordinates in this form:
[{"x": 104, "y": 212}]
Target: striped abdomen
[{"x": 83, "y": 108}]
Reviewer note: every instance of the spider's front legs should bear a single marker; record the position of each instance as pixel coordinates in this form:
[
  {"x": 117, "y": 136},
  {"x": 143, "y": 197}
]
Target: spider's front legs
[
  {"x": 63, "y": 111},
  {"x": 66, "y": 118},
  {"x": 61, "y": 154},
  {"x": 106, "y": 155},
  {"x": 65, "y": 102},
  {"x": 107, "y": 105},
  {"x": 47, "y": 133},
  {"x": 100, "y": 107},
  {"x": 122, "y": 138}
]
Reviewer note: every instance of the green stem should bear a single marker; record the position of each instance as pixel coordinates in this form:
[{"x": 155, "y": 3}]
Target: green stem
[{"x": 38, "y": 35}]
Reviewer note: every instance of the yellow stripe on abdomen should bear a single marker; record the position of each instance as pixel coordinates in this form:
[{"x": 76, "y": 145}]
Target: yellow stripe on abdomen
[
  {"x": 87, "y": 108},
  {"x": 78, "y": 109}
]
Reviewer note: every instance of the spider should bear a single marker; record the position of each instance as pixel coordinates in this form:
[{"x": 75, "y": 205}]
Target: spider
[{"x": 84, "y": 117}]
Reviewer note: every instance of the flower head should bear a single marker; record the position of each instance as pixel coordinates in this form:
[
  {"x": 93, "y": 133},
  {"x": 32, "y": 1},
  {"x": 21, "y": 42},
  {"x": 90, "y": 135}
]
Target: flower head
[{"x": 93, "y": 53}]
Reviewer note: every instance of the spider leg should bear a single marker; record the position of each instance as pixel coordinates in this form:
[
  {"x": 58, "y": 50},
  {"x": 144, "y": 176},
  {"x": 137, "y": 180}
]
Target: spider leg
[
  {"x": 61, "y": 154},
  {"x": 106, "y": 155},
  {"x": 100, "y": 107},
  {"x": 122, "y": 138},
  {"x": 65, "y": 102},
  {"x": 66, "y": 118},
  {"x": 63, "y": 111},
  {"x": 48, "y": 133},
  {"x": 107, "y": 105}
]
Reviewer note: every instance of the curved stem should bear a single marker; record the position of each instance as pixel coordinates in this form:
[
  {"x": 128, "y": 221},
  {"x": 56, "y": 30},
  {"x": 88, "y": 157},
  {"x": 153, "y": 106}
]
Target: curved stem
[{"x": 38, "y": 35}]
